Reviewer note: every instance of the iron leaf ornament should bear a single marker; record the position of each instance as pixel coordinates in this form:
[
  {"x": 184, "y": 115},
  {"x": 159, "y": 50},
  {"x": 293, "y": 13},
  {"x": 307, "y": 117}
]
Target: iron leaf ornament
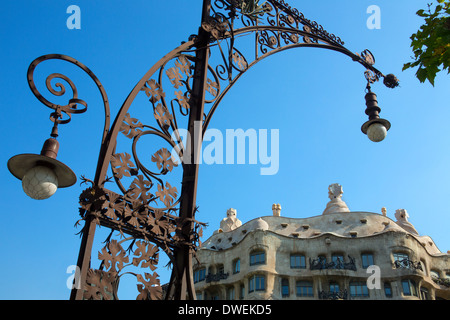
[
  {"x": 251, "y": 8},
  {"x": 103, "y": 284}
]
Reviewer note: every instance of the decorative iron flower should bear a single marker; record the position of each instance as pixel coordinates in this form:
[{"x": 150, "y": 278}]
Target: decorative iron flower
[
  {"x": 131, "y": 127},
  {"x": 164, "y": 160},
  {"x": 92, "y": 199},
  {"x": 391, "y": 81},
  {"x": 146, "y": 253},
  {"x": 113, "y": 257},
  {"x": 150, "y": 288},
  {"x": 166, "y": 194}
]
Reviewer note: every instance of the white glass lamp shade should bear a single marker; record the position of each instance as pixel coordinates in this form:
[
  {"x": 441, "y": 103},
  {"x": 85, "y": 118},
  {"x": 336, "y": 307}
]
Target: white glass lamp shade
[
  {"x": 40, "y": 182},
  {"x": 376, "y": 132}
]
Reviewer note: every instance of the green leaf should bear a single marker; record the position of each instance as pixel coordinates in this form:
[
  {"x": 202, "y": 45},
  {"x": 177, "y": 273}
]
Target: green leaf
[
  {"x": 421, "y": 74},
  {"x": 421, "y": 13},
  {"x": 431, "y": 43}
]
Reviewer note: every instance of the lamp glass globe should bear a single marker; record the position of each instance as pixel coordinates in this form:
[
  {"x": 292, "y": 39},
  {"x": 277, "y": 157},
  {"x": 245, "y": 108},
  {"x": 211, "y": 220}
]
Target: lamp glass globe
[
  {"x": 376, "y": 132},
  {"x": 40, "y": 183}
]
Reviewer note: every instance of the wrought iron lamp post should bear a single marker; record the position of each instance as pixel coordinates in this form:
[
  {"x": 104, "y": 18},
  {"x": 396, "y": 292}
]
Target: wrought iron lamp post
[{"x": 188, "y": 85}]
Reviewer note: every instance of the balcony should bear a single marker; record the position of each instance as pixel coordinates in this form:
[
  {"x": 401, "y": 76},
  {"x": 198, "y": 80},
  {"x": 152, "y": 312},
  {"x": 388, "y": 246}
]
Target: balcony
[
  {"x": 333, "y": 295},
  {"x": 321, "y": 264},
  {"x": 441, "y": 282},
  {"x": 214, "y": 277},
  {"x": 408, "y": 264}
]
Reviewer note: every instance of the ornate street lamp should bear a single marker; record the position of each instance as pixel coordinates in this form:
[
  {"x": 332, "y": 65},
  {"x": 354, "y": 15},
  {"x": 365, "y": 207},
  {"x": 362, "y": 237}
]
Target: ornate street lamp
[
  {"x": 187, "y": 84},
  {"x": 42, "y": 174},
  {"x": 376, "y": 128}
]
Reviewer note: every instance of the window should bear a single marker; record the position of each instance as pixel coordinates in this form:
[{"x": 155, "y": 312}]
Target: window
[
  {"x": 402, "y": 260},
  {"x": 257, "y": 283},
  {"x": 398, "y": 256},
  {"x": 298, "y": 261},
  {"x": 230, "y": 293},
  {"x": 387, "y": 290},
  {"x": 334, "y": 287},
  {"x": 358, "y": 289},
  {"x": 367, "y": 260},
  {"x": 215, "y": 296},
  {"x": 338, "y": 260},
  {"x": 236, "y": 266},
  {"x": 199, "y": 275},
  {"x": 409, "y": 288},
  {"x": 242, "y": 291},
  {"x": 284, "y": 288},
  {"x": 424, "y": 294},
  {"x": 304, "y": 289},
  {"x": 257, "y": 257}
]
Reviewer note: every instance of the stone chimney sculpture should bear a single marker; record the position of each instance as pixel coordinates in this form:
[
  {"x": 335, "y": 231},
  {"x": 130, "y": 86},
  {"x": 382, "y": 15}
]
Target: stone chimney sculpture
[
  {"x": 276, "y": 209},
  {"x": 402, "y": 220},
  {"x": 230, "y": 222},
  {"x": 336, "y": 203}
]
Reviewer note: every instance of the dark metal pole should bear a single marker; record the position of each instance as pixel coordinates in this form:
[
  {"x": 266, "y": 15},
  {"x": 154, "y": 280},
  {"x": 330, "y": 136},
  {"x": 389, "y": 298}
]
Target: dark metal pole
[
  {"x": 84, "y": 259},
  {"x": 88, "y": 232},
  {"x": 182, "y": 285}
]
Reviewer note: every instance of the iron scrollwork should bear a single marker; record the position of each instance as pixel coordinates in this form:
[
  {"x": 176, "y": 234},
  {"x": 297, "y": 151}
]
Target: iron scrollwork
[
  {"x": 441, "y": 281},
  {"x": 62, "y": 114},
  {"x": 333, "y": 295},
  {"x": 147, "y": 206},
  {"x": 213, "y": 277},
  {"x": 103, "y": 284},
  {"x": 320, "y": 263},
  {"x": 144, "y": 207},
  {"x": 408, "y": 264},
  {"x": 277, "y": 27}
]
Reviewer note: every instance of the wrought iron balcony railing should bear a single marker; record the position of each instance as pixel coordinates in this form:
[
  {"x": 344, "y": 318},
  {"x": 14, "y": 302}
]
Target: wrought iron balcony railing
[
  {"x": 441, "y": 282},
  {"x": 216, "y": 277},
  {"x": 321, "y": 264},
  {"x": 408, "y": 264},
  {"x": 332, "y": 295}
]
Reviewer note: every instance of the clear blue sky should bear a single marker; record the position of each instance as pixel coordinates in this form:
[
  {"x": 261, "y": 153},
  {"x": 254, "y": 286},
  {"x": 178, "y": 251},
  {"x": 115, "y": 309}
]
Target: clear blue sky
[{"x": 314, "y": 97}]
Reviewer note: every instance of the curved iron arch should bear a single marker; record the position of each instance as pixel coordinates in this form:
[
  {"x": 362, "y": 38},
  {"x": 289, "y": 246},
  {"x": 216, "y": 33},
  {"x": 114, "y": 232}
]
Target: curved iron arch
[
  {"x": 317, "y": 38},
  {"x": 146, "y": 206},
  {"x": 371, "y": 73},
  {"x": 281, "y": 32}
]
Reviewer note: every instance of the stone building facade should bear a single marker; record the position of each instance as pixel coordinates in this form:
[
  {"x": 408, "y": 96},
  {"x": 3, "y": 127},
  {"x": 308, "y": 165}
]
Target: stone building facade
[{"x": 337, "y": 255}]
